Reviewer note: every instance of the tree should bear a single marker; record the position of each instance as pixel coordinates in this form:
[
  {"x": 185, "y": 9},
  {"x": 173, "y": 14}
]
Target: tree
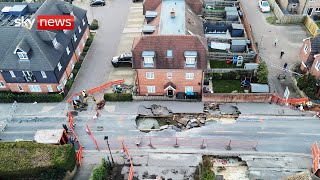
[
  {"x": 262, "y": 73},
  {"x": 94, "y": 25},
  {"x": 307, "y": 84}
]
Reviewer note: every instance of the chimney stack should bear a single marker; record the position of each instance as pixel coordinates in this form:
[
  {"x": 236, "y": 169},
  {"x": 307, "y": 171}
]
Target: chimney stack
[{"x": 172, "y": 13}]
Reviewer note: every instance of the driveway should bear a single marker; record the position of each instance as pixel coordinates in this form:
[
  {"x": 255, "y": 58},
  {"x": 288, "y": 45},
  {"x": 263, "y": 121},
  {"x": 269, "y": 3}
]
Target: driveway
[
  {"x": 289, "y": 39},
  {"x": 96, "y": 66}
]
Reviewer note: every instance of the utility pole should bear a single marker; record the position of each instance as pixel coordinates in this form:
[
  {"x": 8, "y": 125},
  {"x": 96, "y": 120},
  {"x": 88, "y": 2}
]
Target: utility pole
[{"x": 106, "y": 138}]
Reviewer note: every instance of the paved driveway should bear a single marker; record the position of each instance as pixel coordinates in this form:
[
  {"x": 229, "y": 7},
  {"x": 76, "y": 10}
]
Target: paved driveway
[
  {"x": 96, "y": 67},
  {"x": 290, "y": 40}
]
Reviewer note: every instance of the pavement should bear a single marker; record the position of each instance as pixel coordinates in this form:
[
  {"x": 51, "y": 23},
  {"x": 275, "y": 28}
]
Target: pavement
[
  {"x": 289, "y": 39},
  {"x": 97, "y": 65}
]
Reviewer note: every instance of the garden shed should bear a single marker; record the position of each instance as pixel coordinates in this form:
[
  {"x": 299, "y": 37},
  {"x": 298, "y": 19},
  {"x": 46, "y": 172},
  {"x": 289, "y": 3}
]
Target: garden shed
[
  {"x": 259, "y": 88},
  {"x": 237, "y": 30},
  {"x": 238, "y": 45}
]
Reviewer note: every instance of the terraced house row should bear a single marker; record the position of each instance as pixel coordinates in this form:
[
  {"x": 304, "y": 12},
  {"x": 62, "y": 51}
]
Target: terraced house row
[{"x": 39, "y": 61}]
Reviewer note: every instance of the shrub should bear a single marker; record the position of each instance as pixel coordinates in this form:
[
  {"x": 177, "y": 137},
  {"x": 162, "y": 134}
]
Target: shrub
[
  {"x": 77, "y": 65},
  {"x": 307, "y": 84},
  {"x": 100, "y": 172},
  {"x": 6, "y": 97},
  {"x": 83, "y": 54},
  {"x": 206, "y": 172},
  {"x": 75, "y": 72},
  {"x": 86, "y": 48},
  {"x": 262, "y": 73},
  {"x": 118, "y": 97},
  {"x": 69, "y": 83},
  {"x": 89, "y": 42},
  {"x": 94, "y": 25}
]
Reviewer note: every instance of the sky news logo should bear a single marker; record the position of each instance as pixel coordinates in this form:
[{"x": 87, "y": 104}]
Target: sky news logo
[{"x": 48, "y": 22}]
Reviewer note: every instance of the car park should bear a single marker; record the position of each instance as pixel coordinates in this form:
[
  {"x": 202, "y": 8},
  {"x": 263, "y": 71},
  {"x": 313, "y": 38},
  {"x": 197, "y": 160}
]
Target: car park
[
  {"x": 124, "y": 59},
  {"x": 264, "y": 6}
]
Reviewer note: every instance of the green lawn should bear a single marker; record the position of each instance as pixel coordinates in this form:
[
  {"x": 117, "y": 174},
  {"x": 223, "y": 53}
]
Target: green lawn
[
  {"x": 227, "y": 86},
  {"x": 222, "y": 64},
  {"x": 318, "y": 24},
  {"x": 271, "y": 19},
  {"x": 217, "y": 50}
]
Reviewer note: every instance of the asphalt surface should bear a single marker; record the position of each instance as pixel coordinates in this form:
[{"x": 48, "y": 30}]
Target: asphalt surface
[
  {"x": 289, "y": 39},
  {"x": 97, "y": 65}
]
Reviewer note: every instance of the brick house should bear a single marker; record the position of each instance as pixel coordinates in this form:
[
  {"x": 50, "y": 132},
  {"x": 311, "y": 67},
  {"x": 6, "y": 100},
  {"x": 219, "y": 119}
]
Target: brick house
[
  {"x": 39, "y": 61},
  {"x": 172, "y": 53}
]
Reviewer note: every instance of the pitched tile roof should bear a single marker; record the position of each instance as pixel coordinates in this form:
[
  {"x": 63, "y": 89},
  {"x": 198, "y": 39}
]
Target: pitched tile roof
[{"x": 43, "y": 56}]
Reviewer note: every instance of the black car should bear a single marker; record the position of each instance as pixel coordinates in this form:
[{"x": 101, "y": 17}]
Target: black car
[
  {"x": 124, "y": 59},
  {"x": 98, "y": 3}
]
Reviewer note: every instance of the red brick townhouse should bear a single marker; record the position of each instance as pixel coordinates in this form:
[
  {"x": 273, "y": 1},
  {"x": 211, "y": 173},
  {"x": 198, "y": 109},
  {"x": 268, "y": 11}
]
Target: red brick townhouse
[
  {"x": 39, "y": 61},
  {"x": 310, "y": 55},
  {"x": 172, "y": 53}
]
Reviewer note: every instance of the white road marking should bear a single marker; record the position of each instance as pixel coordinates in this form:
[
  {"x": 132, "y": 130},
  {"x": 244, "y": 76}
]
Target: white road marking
[
  {"x": 310, "y": 134},
  {"x": 19, "y": 132},
  {"x": 228, "y": 132},
  {"x": 270, "y": 132}
]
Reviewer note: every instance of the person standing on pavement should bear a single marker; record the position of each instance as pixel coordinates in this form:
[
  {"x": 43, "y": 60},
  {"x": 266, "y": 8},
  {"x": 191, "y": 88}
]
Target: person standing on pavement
[
  {"x": 281, "y": 54},
  {"x": 275, "y": 42},
  {"x": 285, "y": 66}
]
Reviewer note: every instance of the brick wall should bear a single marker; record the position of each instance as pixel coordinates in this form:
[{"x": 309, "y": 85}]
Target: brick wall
[
  {"x": 6, "y": 87},
  {"x": 239, "y": 97},
  {"x": 247, "y": 28},
  {"x": 304, "y": 56},
  {"x": 150, "y": 5},
  {"x": 313, "y": 70},
  {"x": 25, "y": 87},
  {"x": 160, "y": 79},
  {"x": 196, "y": 5}
]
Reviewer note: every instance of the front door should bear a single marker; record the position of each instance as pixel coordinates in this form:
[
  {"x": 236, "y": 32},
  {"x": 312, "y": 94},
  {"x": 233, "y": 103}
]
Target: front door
[
  {"x": 170, "y": 92},
  {"x": 309, "y": 11}
]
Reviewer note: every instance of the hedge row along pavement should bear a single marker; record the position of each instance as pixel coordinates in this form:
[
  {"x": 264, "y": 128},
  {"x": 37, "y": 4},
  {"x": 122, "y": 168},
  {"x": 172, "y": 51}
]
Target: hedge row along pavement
[
  {"x": 118, "y": 97},
  {"x": 6, "y": 97},
  {"x": 100, "y": 172},
  {"x": 27, "y": 160}
]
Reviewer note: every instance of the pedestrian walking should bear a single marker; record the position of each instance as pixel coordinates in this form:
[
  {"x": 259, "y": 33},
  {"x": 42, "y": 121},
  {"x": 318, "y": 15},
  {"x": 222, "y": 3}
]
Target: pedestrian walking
[
  {"x": 281, "y": 54},
  {"x": 275, "y": 42},
  {"x": 285, "y": 66},
  {"x": 65, "y": 127}
]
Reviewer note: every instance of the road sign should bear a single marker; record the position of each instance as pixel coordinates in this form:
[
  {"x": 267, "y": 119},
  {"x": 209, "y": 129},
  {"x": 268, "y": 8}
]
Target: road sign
[{"x": 286, "y": 93}]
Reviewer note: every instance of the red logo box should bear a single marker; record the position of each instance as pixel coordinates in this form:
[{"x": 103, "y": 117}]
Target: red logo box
[{"x": 55, "y": 22}]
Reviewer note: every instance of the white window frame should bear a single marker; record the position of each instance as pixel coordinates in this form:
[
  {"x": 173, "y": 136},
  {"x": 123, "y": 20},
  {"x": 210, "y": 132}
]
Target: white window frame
[
  {"x": 187, "y": 88},
  {"x": 72, "y": 64},
  {"x": 171, "y": 53},
  {"x": 65, "y": 31},
  {"x": 44, "y": 75},
  {"x": 148, "y": 61},
  {"x": 169, "y": 75},
  {"x": 189, "y": 75},
  {"x": 68, "y": 50},
  {"x": 20, "y": 87},
  {"x": 191, "y": 61},
  {"x": 83, "y": 22},
  {"x": 64, "y": 81},
  {"x": 150, "y": 75},
  {"x": 151, "y": 89},
  {"x": 2, "y": 85},
  {"x": 35, "y": 88},
  {"x": 22, "y": 55},
  {"x": 79, "y": 29},
  {"x": 59, "y": 66},
  {"x": 75, "y": 37},
  {"x": 317, "y": 10},
  {"x": 79, "y": 52},
  {"x": 72, "y": 14},
  {"x": 305, "y": 49},
  {"x": 55, "y": 42},
  {"x": 12, "y": 74},
  {"x": 49, "y": 87},
  {"x": 83, "y": 43},
  {"x": 317, "y": 66}
]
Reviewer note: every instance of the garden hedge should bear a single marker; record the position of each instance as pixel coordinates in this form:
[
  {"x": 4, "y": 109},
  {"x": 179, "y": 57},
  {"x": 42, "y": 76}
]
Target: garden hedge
[
  {"x": 100, "y": 172},
  {"x": 27, "y": 160},
  {"x": 118, "y": 97},
  {"x": 94, "y": 25},
  {"x": 6, "y": 97}
]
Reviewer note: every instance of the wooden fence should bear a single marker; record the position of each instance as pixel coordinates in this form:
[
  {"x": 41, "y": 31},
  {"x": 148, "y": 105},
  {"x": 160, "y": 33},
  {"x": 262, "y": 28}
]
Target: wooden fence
[
  {"x": 285, "y": 18},
  {"x": 311, "y": 26},
  {"x": 221, "y": 3},
  {"x": 222, "y": 56}
]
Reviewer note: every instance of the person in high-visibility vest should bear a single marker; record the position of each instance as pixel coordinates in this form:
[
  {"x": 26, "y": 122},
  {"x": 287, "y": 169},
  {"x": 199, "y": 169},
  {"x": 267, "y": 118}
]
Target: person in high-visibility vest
[{"x": 85, "y": 96}]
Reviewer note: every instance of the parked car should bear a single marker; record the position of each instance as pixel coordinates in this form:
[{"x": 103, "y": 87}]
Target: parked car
[
  {"x": 97, "y": 3},
  {"x": 124, "y": 59},
  {"x": 136, "y": 0},
  {"x": 264, "y": 6}
]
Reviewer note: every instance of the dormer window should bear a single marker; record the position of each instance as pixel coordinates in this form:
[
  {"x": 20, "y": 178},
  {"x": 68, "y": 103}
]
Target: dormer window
[
  {"x": 148, "y": 58},
  {"x": 79, "y": 29},
  {"x": 71, "y": 13},
  {"x": 65, "y": 31},
  {"x": 83, "y": 22},
  {"x": 68, "y": 50},
  {"x": 55, "y": 42},
  {"x": 74, "y": 37},
  {"x": 191, "y": 58},
  {"x": 22, "y": 55}
]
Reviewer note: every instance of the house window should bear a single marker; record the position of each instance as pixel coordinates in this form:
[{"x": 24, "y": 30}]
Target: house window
[
  {"x": 79, "y": 29},
  {"x": 22, "y": 55},
  {"x": 169, "y": 54},
  {"x": 150, "y": 75},
  {"x": 35, "y": 88},
  {"x": 83, "y": 22},
  {"x": 188, "y": 89},
  {"x": 83, "y": 43},
  {"x": 74, "y": 37},
  {"x": 78, "y": 50},
  {"x": 68, "y": 50},
  {"x": 49, "y": 88},
  {"x": 305, "y": 49},
  {"x": 44, "y": 75},
  {"x": 12, "y": 74},
  {"x": 317, "y": 66},
  {"x": 190, "y": 61},
  {"x": 169, "y": 75},
  {"x": 2, "y": 84},
  {"x": 189, "y": 75},
  {"x": 148, "y": 61},
  {"x": 64, "y": 81},
  {"x": 59, "y": 66},
  {"x": 317, "y": 10},
  {"x": 20, "y": 87},
  {"x": 55, "y": 42},
  {"x": 72, "y": 64},
  {"x": 151, "y": 89}
]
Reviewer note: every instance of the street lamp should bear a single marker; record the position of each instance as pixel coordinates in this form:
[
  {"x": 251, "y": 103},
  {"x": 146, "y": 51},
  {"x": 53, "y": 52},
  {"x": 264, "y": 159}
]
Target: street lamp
[{"x": 106, "y": 139}]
